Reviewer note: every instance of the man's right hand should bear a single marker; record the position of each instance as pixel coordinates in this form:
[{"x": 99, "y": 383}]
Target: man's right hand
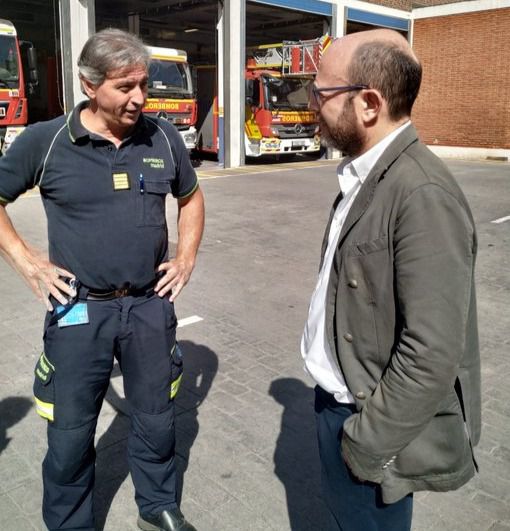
[{"x": 43, "y": 277}]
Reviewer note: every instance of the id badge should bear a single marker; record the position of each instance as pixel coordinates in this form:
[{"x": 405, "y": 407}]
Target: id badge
[
  {"x": 121, "y": 181},
  {"x": 77, "y": 315}
]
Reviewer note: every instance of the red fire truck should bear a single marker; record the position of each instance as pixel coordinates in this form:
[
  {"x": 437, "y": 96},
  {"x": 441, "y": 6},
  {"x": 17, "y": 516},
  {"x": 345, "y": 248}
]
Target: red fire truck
[
  {"x": 277, "y": 118},
  {"x": 171, "y": 92},
  {"x": 13, "y": 88}
]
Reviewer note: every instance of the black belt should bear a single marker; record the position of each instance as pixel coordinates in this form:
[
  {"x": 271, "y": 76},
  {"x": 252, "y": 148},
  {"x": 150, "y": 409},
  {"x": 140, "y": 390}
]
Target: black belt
[{"x": 93, "y": 294}]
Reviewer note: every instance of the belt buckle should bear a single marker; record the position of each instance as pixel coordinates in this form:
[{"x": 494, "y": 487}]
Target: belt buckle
[{"x": 122, "y": 292}]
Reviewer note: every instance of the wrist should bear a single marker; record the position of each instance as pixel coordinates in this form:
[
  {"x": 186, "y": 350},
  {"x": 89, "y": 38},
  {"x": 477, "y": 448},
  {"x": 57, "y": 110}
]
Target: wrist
[
  {"x": 15, "y": 249},
  {"x": 187, "y": 259}
]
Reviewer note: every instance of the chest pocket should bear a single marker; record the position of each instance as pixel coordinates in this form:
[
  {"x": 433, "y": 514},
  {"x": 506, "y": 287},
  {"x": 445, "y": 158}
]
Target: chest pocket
[
  {"x": 151, "y": 203},
  {"x": 369, "y": 247}
]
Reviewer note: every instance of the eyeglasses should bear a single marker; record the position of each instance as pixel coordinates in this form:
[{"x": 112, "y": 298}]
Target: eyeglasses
[{"x": 315, "y": 92}]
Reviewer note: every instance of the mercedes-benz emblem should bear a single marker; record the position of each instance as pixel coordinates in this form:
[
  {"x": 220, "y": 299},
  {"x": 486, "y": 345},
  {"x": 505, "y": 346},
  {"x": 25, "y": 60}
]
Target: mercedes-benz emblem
[{"x": 298, "y": 129}]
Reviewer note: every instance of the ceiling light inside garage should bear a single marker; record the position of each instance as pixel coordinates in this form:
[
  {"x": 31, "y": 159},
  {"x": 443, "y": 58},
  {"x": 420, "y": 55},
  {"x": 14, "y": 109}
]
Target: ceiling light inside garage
[
  {"x": 190, "y": 30},
  {"x": 165, "y": 34}
]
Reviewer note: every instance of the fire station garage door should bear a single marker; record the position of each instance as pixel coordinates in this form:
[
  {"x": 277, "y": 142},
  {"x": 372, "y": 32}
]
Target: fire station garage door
[{"x": 310, "y": 6}]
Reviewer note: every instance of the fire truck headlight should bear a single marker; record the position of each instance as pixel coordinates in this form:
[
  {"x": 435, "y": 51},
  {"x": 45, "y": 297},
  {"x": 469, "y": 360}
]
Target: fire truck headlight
[
  {"x": 190, "y": 138},
  {"x": 255, "y": 148}
]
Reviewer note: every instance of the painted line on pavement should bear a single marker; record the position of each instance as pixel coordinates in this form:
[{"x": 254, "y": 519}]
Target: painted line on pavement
[
  {"x": 246, "y": 170},
  {"x": 208, "y": 177},
  {"x": 189, "y": 320},
  {"x": 204, "y": 176},
  {"x": 501, "y": 220}
]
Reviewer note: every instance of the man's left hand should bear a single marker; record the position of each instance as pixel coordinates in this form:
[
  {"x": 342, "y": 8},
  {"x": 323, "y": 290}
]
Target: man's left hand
[{"x": 174, "y": 276}]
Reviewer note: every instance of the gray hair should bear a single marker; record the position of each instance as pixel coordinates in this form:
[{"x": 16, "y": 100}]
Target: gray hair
[{"x": 110, "y": 49}]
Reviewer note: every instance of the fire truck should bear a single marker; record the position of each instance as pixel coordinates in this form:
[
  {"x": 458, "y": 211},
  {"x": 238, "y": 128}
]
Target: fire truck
[
  {"x": 13, "y": 88},
  {"x": 277, "y": 118},
  {"x": 170, "y": 92}
]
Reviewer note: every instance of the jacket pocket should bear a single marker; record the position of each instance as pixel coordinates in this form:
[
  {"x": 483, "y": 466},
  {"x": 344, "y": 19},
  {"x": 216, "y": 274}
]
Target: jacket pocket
[
  {"x": 44, "y": 388},
  {"x": 372, "y": 246},
  {"x": 441, "y": 449},
  {"x": 151, "y": 203}
]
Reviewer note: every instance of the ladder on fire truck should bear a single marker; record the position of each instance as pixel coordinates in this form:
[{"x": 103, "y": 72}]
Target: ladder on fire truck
[{"x": 293, "y": 58}]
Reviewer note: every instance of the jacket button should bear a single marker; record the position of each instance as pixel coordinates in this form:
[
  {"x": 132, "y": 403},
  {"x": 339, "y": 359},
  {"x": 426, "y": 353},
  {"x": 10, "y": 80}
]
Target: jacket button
[
  {"x": 361, "y": 395},
  {"x": 353, "y": 283},
  {"x": 348, "y": 337}
]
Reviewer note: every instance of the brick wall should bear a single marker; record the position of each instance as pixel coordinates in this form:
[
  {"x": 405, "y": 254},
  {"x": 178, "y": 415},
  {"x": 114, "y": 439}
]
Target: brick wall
[
  {"x": 465, "y": 96},
  {"x": 408, "y": 5}
]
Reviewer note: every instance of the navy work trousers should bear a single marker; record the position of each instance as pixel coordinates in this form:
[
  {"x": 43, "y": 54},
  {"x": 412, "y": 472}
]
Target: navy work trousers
[
  {"x": 140, "y": 333},
  {"x": 353, "y": 505}
]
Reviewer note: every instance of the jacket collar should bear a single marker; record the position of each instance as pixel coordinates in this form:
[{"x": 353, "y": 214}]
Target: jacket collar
[{"x": 407, "y": 137}]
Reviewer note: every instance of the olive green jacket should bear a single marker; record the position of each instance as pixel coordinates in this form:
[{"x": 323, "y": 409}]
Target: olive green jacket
[{"x": 401, "y": 317}]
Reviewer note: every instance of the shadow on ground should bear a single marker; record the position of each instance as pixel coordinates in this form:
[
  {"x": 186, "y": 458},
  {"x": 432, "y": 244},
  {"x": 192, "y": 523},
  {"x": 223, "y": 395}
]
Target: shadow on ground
[
  {"x": 12, "y": 411},
  {"x": 200, "y": 367},
  {"x": 296, "y": 457}
]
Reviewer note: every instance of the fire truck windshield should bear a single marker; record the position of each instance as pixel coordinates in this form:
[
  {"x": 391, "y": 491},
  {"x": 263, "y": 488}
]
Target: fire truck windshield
[
  {"x": 168, "y": 78},
  {"x": 9, "y": 69},
  {"x": 286, "y": 93}
]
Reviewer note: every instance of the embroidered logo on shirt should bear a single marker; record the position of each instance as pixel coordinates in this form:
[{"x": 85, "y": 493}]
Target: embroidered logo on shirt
[{"x": 154, "y": 163}]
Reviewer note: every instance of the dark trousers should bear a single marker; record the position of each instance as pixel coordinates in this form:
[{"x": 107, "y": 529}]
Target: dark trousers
[
  {"x": 353, "y": 505},
  {"x": 140, "y": 333}
]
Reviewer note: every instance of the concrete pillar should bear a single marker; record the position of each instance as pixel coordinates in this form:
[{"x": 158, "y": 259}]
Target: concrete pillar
[
  {"x": 134, "y": 23},
  {"x": 220, "y": 91},
  {"x": 77, "y": 23},
  {"x": 234, "y": 43},
  {"x": 338, "y": 20},
  {"x": 337, "y": 29}
]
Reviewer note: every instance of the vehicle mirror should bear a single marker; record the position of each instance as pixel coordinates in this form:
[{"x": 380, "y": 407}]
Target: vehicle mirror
[
  {"x": 194, "y": 80},
  {"x": 31, "y": 56},
  {"x": 32, "y": 66},
  {"x": 252, "y": 92}
]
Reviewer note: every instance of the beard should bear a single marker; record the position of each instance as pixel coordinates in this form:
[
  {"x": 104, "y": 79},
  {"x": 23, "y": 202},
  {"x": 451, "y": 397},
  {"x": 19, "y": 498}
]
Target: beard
[{"x": 345, "y": 135}]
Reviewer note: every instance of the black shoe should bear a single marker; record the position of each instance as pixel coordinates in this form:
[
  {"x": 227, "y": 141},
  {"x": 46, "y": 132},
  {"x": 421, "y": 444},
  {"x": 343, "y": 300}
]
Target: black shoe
[{"x": 171, "y": 520}]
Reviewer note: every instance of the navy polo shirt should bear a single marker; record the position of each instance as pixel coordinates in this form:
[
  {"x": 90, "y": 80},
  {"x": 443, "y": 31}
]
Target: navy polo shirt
[{"x": 105, "y": 205}]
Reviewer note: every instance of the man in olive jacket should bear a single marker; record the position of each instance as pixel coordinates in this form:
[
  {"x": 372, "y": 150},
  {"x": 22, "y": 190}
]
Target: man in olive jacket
[{"x": 391, "y": 337}]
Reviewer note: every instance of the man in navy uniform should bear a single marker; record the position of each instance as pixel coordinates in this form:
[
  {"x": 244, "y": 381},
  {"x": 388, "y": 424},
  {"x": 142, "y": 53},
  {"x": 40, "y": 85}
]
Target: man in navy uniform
[{"x": 104, "y": 172}]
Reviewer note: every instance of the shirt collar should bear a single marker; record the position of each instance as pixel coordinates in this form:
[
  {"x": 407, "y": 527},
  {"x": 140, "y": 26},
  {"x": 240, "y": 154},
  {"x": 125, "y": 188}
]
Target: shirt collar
[
  {"x": 74, "y": 125},
  {"x": 350, "y": 171},
  {"x": 77, "y": 130}
]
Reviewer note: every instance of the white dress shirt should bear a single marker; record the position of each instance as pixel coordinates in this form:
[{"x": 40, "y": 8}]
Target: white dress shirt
[{"x": 320, "y": 362}]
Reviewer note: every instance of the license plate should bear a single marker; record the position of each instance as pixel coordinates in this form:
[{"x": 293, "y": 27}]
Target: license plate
[{"x": 298, "y": 143}]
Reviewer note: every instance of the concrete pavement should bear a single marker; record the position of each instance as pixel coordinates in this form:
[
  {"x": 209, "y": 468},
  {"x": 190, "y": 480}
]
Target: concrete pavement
[{"x": 246, "y": 437}]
